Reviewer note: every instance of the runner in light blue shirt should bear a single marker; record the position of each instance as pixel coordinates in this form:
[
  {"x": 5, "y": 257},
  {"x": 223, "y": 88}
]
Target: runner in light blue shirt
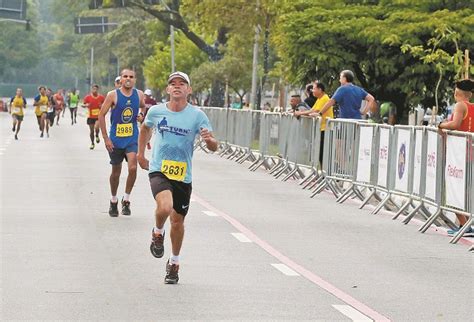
[{"x": 177, "y": 124}]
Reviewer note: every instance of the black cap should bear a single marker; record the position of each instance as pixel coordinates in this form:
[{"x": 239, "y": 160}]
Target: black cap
[{"x": 465, "y": 85}]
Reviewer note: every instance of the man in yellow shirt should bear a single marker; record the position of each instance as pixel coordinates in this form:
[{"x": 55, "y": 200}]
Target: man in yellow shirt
[
  {"x": 42, "y": 104},
  {"x": 321, "y": 99},
  {"x": 17, "y": 104}
]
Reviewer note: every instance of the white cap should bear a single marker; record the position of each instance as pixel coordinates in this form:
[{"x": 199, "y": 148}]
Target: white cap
[
  {"x": 147, "y": 92},
  {"x": 117, "y": 79},
  {"x": 181, "y": 75}
]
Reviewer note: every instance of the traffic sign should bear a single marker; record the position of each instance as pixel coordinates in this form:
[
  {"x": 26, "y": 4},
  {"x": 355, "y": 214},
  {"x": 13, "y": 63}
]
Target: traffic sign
[
  {"x": 92, "y": 25},
  {"x": 13, "y": 9}
]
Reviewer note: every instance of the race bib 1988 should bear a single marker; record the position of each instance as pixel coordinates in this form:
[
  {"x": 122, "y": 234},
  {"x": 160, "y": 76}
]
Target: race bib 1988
[
  {"x": 124, "y": 130},
  {"x": 174, "y": 170}
]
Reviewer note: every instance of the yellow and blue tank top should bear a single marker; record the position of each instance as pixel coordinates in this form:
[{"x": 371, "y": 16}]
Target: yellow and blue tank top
[
  {"x": 43, "y": 101},
  {"x": 17, "y": 105},
  {"x": 123, "y": 120}
]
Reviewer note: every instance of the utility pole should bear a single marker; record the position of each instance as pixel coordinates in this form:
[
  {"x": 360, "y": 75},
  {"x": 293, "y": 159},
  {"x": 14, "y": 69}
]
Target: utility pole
[
  {"x": 92, "y": 67},
  {"x": 253, "y": 94},
  {"x": 173, "y": 66}
]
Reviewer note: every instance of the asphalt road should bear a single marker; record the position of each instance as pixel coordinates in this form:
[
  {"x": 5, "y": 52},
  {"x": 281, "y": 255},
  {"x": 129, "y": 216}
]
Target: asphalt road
[{"x": 255, "y": 248}]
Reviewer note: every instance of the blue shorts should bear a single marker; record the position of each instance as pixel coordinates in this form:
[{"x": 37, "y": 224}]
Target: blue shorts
[{"x": 117, "y": 155}]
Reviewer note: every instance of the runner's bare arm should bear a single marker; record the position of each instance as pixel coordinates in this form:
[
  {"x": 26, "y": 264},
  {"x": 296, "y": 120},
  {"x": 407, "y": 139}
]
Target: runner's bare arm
[
  {"x": 109, "y": 100},
  {"x": 143, "y": 138},
  {"x": 141, "y": 96},
  {"x": 211, "y": 142}
]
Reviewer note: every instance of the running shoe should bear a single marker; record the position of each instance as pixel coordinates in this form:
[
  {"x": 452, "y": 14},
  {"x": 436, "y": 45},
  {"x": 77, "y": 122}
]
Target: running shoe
[
  {"x": 92, "y": 146},
  {"x": 16, "y": 137},
  {"x": 126, "y": 208},
  {"x": 171, "y": 273},
  {"x": 113, "y": 209},
  {"x": 97, "y": 140},
  {"x": 41, "y": 135},
  {"x": 156, "y": 247},
  {"x": 467, "y": 233}
]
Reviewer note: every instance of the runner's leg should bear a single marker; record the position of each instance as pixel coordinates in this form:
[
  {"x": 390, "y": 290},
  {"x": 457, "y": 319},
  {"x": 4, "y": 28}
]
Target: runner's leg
[
  {"x": 132, "y": 171},
  {"x": 164, "y": 207},
  {"x": 177, "y": 232},
  {"x": 97, "y": 129},
  {"x": 42, "y": 123},
  {"x": 18, "y": 126},
  {"x": 91, "y": 133},
  {"x": 115, "y": 178}
]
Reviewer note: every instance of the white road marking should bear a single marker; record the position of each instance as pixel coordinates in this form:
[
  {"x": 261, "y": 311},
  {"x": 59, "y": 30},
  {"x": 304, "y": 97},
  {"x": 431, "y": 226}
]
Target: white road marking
[
  {"x": 352, "y": 313},
  {"x": 241, "y": 237},
  {"x": 210, "y": 213},
  {"x": 285, "y": 270}
]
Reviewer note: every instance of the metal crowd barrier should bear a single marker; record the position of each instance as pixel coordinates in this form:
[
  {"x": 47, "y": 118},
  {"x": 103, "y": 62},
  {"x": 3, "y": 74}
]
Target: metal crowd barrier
[
  {"x": 360, "y": 160},
  {"x": 458, "y": 175}
]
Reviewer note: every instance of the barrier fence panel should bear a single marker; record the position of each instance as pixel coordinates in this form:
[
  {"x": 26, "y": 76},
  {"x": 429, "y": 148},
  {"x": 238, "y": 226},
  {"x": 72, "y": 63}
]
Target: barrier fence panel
[
  {"x": 340, "y": 158},
  {"x": 427, "y": 170},
  {"x": 458, "y": 180},
  {"x": 400, "y": 171},
  {"x": 365, "y": 163},
  {"x": 300, "y": 145}
]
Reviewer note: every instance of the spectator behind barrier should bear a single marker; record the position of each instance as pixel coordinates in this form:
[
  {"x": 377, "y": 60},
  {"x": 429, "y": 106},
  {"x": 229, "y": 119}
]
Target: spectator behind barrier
[
  {"x": 350, "y": 97},
  {"x": 462, "y": 119},
  {"x": 297, "y": 104},
  {"x": 388, "y": 113},
  {"x": 310, "y": 99},
  {"x": 322, "y": 99}
]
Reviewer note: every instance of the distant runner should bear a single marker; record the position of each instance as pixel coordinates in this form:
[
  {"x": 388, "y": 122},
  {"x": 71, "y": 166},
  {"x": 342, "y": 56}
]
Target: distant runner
[
  {"x": 41, "y": 103},
  {"x": 73, "y": 103},
  {"x": 59, "y": 104},
  {"x": 93, "y": 102},
  {"x": 17, "y": 104}
]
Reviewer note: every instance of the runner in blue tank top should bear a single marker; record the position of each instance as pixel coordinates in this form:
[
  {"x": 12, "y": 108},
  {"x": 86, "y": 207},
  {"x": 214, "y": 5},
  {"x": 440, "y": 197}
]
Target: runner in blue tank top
[
  {"x": 124, "y": 104},
  {"x": 170, "y": 169}
]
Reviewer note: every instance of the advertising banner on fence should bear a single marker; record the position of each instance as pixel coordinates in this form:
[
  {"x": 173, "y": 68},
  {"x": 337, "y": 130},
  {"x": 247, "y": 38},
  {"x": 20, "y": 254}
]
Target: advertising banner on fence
[
  {"x": 431, "y": 165},
  {"x": 383, "y": 157},
  {"x": 402, "y": 160},
  {"x": 364, "y": 161},
  {"x": 418, "y": 158},
  {"x": 455, "y": 171}
]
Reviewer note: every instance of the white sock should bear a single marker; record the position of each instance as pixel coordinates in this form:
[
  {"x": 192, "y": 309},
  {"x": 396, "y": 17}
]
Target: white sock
[
  {"x": 114, "y": 199},
  {"x": 157, "y": 230},
  {"x": 174, "y": 259},
  {"x": 126, "y": 197}
]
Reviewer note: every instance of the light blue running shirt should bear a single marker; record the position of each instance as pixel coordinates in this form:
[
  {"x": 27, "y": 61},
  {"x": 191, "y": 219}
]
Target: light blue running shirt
[{"x": 174, "y": 140}]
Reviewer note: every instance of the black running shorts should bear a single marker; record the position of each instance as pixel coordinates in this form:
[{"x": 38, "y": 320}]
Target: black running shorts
[
  {"x": 91, "y": 121},
  {"x": 181, "y": 191}
]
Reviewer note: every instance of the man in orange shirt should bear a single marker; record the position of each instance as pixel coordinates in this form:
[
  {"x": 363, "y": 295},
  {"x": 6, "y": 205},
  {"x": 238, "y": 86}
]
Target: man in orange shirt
[
  {"x": 462, "y": 119},
  {"x": 93, "y": 102},
  {"x": 58, "y": 99}
]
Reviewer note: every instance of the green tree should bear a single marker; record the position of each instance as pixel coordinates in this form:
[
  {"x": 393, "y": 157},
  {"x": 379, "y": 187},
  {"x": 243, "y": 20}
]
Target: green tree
[{"x": 318, "y": 40}]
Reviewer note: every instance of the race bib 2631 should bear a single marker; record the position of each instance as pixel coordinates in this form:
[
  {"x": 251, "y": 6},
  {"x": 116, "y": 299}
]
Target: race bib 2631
[{"x": 174, "y": 170}]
